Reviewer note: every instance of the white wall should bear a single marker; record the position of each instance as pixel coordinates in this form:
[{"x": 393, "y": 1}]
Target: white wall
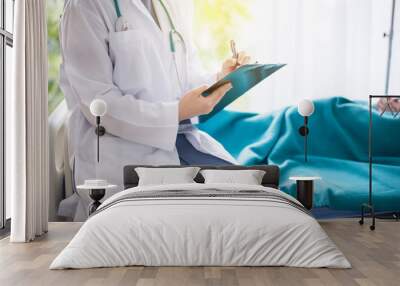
[{"x": 394, "y": 87}]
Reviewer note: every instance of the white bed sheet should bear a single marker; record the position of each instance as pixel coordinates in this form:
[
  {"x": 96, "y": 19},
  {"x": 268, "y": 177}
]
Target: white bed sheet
[{"x": 206, "y": 231}]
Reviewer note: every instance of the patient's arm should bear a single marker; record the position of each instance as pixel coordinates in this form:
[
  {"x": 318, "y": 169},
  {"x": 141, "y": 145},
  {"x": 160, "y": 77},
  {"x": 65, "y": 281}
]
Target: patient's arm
[{"x": 394, "y": 104}]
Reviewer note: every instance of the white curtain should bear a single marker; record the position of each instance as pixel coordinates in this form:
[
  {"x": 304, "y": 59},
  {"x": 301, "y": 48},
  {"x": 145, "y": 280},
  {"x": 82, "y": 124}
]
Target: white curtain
[
  {"x": 27, "y": 129},
  {"x": 331, "y": 47}
]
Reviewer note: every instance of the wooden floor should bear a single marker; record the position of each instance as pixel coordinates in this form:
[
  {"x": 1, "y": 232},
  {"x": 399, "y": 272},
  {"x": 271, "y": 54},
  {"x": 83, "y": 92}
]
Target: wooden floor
[{"x": 375, "y": 257}]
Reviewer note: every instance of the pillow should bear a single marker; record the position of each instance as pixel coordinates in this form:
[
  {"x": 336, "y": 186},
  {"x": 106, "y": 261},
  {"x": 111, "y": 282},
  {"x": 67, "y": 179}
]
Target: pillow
[
  {"x": 248, "y": 177},
  {"x": 166, "y": 176}
]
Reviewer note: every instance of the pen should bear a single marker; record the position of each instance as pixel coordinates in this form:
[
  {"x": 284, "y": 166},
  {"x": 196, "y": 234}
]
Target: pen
[{"x": 235, "y": 54}]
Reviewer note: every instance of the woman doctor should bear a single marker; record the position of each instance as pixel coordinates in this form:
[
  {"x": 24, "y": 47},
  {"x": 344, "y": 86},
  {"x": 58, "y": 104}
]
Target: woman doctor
[{"x": 136, "y": 55}]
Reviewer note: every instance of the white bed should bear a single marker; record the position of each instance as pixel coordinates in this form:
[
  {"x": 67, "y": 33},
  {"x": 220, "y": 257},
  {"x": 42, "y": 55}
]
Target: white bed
[{"x": 267, "y": 229}]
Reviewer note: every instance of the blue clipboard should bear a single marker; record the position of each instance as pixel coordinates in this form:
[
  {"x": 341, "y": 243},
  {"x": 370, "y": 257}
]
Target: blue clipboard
[{"x": 242, "y": 80}]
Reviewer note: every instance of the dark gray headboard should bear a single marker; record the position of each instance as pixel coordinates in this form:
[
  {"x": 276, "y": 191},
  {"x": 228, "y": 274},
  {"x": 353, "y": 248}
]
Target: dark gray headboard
[{"x": 271, "y": 177}]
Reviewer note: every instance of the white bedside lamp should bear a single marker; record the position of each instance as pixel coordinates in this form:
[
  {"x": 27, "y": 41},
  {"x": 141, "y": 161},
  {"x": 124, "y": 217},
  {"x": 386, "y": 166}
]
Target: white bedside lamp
[
  {"x": 98, "y": 108},
  {"x": 305, "y": 109},
  {"x": 97, "y": 187}
]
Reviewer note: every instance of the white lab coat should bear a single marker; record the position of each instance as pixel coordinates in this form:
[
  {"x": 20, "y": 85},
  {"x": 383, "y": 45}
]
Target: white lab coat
[{"x": 134, "y": 72}]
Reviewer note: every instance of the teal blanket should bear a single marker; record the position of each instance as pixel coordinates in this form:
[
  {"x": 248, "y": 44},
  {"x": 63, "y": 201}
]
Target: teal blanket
[{"x": 338, "y": 150}]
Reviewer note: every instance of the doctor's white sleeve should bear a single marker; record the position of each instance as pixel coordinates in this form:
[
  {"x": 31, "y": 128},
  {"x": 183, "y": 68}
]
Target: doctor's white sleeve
[{"x": 89, "y": 70}]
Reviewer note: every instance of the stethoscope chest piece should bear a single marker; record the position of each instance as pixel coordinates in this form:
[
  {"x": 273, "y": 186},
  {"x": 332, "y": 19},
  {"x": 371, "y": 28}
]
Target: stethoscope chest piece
[{"x": 121, "y": 24}]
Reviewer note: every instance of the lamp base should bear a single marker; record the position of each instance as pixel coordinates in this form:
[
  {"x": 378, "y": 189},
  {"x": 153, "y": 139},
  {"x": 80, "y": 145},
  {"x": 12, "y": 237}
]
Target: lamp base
[
  {"x": 100, "y": 130},
  {"x": 303, "y": 130},
  {"x": 96, "y": 195}
]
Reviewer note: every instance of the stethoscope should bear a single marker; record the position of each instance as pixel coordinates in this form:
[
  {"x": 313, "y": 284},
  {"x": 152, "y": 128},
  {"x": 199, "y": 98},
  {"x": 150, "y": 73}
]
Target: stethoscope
[{"x": 122, "y": 25}]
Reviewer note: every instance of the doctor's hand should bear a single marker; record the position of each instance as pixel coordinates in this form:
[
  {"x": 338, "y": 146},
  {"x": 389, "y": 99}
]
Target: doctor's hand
[
  {"x": 194, "y": 103},
  {"x": 231, "y": 64}
]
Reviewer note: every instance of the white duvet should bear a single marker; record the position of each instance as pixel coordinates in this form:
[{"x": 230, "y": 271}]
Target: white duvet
[{"x": 200, "y": 231}]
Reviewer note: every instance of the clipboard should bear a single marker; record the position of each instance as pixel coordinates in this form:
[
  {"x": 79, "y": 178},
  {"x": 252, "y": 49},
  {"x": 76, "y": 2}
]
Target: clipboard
[
  {"x": 242, "y": 80},
  {"x": 215, "y": 86}
]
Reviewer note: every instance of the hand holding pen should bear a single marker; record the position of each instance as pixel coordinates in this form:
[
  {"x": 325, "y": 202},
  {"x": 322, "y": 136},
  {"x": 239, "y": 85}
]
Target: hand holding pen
[
  {"x": 238, "y": 59},
  {"x": 235, "y": 54}
]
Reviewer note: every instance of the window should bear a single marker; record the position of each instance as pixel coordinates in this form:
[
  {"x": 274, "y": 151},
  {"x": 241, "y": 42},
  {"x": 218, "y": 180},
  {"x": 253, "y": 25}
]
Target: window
[
  {"x": 6, "y": 43},
  {"x": 54, "y": 10},
  {"x": 215, "y": 24}
]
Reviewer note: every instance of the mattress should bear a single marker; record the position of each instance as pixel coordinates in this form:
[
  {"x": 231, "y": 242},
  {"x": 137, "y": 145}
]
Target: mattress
[{"x": 201, "y": 225}]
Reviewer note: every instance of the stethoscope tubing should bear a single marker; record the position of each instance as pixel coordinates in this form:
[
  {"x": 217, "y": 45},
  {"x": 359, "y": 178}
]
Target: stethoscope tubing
[{"x": 117, "y": 9}]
